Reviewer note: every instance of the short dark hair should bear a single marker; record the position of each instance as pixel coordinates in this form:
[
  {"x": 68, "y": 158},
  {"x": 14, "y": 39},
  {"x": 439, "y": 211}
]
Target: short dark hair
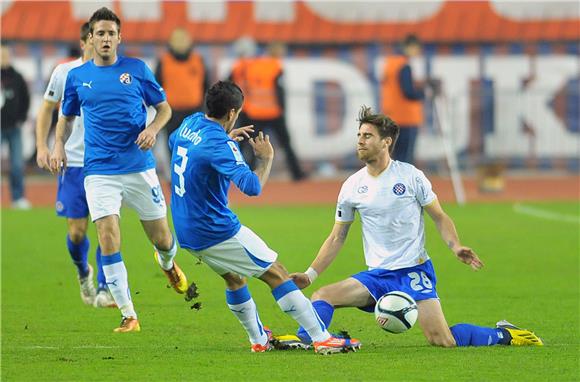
[
  {"x": 411, "y": 39},
  {"x": 106, "y": 14},
  {"x": 222, "y": 97},
  {"x": 85, "y": 30},
  {"x": 385, "y": 125}
]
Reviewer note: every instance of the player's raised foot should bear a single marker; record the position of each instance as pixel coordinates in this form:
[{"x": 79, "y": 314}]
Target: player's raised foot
[
  {"x": 87, "y": 285},
  {"x": 176, "y": 277},
  {"x": 259, "y": 348},
  {"x": 290, "y": 342},
  {"x": 336, "y": 345},
  {"x": 128, "y": 324},
  {"x": 104, "y": 299},
  {"x": 520, "y": 337}
]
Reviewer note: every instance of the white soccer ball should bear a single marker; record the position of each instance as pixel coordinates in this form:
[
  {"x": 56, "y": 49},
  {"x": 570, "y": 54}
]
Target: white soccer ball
[{"x": 396, "y": 312}]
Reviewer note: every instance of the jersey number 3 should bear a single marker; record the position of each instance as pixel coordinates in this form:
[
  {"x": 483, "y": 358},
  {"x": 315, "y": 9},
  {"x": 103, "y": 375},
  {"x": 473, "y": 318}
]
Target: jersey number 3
[{"x": 179, "y": 170}]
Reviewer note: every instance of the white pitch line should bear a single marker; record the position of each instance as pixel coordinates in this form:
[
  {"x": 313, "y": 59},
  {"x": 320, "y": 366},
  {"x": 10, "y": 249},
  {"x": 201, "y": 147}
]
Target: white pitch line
[
  {"x": 544, "y": 214},
  {"x": 69, "y": 347}
]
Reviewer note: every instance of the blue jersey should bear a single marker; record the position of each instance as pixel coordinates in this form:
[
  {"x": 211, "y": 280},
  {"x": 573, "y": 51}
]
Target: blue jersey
[
  {"x": 113, "y": 100},
  {"x": 203, "y": 161}
]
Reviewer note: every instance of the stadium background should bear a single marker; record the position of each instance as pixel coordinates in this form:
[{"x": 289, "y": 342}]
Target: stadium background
[{"x": 509, "y": 71}]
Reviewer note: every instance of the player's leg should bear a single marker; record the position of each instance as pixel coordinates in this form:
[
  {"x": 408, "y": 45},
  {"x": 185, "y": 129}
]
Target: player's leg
[
  {"x": 165, "y": 250},
  {"x": 104, "y": 197},
  {"x": 143, "y": 193},
  {"x": 78, "y": 245},
  {"x": 433, "y": 323},
  {"x": 438, "y": 333},
  {"x": 242, "y": 305},
  {"x": 346, "y": 293},
  {"x": 293, "y": 302},
  {"x": 71, "y": 204}
]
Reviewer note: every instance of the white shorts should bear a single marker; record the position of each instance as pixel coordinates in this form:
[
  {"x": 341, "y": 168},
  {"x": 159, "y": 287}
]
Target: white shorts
[
  {"x": 140, "y": 191},
  {"x": 244, "y": 254}
]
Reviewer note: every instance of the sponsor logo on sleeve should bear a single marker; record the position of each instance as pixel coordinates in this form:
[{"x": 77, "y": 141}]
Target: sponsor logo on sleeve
[{"x": 236, "y": 151}]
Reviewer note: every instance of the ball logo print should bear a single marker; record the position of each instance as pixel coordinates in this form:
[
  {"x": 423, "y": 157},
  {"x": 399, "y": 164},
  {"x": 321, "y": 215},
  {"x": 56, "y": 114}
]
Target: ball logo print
[
  {"x": 396, "y": 312},
  {"x": 399, "y": 189},
  {"x": 125, "y": 78}
]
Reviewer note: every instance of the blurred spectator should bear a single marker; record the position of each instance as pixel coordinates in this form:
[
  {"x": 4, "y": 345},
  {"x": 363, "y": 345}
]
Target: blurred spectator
[
  {"x": 15, "y": 101},
  {"x": 402, "y": 99},
  {"x": 183, "y": 75},
  {"x": 261, "y": 79}
]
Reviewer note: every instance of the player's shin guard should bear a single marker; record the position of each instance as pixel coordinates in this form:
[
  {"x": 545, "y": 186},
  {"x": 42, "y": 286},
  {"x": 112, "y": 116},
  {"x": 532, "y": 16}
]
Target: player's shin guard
[
  {"x": 165, "y": 258},
  {"x": 472, "y": 335},
  {"x": 116, "y": 275},
  {"x": 292, "y": 301},
  {"x": 79, "y": 253},
  {"x": 325, "y": 311},
  {"x": 244, "y": 308},
  {"x": 101, "y": 280}
]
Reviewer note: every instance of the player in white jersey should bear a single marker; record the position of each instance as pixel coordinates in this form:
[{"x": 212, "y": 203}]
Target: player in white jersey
[
  {"x": 71, "y": 200},
  {"x": 390, "y": 197}
]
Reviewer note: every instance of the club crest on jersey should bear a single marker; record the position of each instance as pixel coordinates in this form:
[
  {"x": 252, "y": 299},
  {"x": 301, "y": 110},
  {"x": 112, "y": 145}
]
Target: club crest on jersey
[
  {"x": 399, "y": 189},
  {"x": 125, "y": 78}
]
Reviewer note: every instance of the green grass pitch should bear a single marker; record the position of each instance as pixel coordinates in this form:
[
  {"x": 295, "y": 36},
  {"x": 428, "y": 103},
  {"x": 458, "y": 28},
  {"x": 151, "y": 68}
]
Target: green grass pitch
[{"x": 531, "y": 278}]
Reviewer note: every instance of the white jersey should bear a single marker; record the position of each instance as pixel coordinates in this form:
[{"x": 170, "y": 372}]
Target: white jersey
[
  {"x": 75, "y": 145},
  {"x": 391, "y": 212}
]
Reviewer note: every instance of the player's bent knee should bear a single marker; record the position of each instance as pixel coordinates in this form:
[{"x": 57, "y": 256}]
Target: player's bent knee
[
  {"x": 77, "y": 230},
  {"x": 442, "y": 340},
  {"x": 322, "y": 294}
]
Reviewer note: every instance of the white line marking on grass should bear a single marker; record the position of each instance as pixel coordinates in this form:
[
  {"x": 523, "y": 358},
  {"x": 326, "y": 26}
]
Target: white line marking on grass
[
  {"x": 70, "y": 347},
  {"x": 545, "y": 214},
  {"x": 40, "y": 347},
  {"x": 95, "y": 347}
]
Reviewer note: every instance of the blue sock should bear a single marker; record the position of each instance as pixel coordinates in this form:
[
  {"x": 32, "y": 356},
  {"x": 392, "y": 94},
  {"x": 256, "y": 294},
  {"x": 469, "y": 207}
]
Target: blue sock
[
  {"x": 471, "y": 335},
  {"x": 325, "y": 312},
  {"x": 78, "y": 253},
  {"x": 101, "y": 280}
]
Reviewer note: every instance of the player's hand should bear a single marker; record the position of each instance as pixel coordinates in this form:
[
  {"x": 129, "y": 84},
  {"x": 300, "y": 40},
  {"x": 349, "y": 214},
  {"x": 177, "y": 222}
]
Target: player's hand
[
  {"x": 43, "y": 158},
  {"x": 146, "y": 139},
  {"x": 262, "y": 147},
  {"x": 301, "y": 280},
  {"x": 467, "y": 256},
  {"x": 57, "y": 159},
  {"x": 240, "y": 133}
]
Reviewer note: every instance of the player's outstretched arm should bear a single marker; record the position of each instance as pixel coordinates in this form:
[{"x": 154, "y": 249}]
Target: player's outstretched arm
[
  {"x": 63, "y": 131},
  {"x": 326, "y": 255},
  {"x": 448, "y": 232},
  {"x": 147, "y": 138},
  {"x": 42, "y": 129}
]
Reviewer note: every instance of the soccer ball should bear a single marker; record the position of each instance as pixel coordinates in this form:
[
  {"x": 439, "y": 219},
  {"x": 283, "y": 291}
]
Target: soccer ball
[{"x": 396, "y": 312}]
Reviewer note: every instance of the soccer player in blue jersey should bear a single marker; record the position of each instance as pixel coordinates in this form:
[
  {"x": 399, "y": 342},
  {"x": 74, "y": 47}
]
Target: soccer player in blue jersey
[
  {"x": 112, "y": 92},
  {"x": 205, "y": 159},
  {"x": 390, "y": 197},
  {"x": 71, "y": 200}
]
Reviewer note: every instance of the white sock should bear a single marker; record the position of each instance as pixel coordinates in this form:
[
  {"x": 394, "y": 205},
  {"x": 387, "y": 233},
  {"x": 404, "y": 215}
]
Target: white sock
[
  {"x": 116, "y": 276},
  {"x": 165, "y": 258},
  {"x": 244, "y": 308},
  {"x": 293, "y": 302}
]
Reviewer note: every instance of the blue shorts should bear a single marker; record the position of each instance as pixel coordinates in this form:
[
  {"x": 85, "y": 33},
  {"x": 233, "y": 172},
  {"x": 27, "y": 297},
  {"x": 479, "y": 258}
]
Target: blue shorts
[
  {"x": 71, "y": 199},
  {"x": 418, "y": 281}
]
